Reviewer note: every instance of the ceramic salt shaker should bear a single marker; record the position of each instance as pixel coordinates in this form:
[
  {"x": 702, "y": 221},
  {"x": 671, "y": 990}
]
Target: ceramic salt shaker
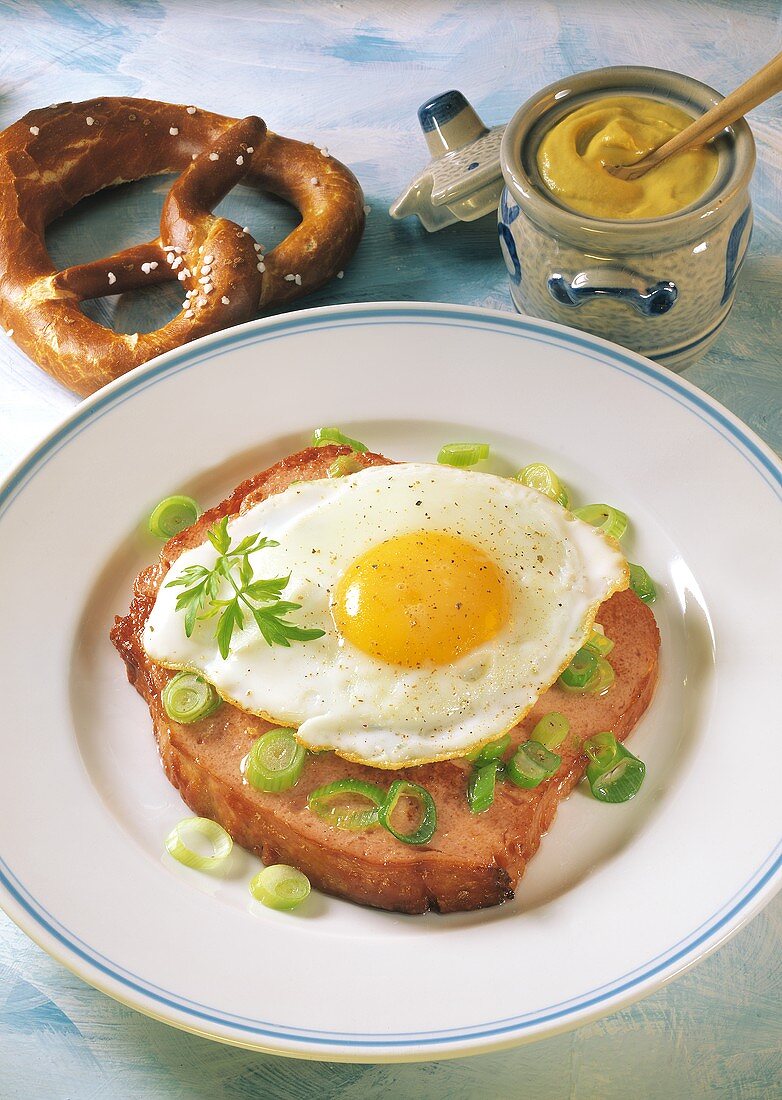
[{"x": 463, "y": 181}]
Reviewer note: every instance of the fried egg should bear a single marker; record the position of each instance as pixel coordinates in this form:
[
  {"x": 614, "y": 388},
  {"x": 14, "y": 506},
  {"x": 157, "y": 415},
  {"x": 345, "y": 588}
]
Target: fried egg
[{"x": 449, "y": 600}]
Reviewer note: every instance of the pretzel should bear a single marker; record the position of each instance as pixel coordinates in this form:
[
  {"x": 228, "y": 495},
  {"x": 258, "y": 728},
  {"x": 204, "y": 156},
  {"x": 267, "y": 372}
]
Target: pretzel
[{"x": 54, "y": 157}]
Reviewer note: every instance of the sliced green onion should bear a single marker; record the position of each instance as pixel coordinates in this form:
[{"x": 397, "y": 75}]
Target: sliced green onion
[
  {"x": 601, "y": 749},
  {"x": 598, "y": 641},
  {"x": 188, "y": 698},
  {"x": 607, "y": 519},
  {"x": 641, "y": 583},
  {"x": 204, "y": 827},
  {"x": 580, "y": 670},
  {"x": 614, "y": 774},
  {"x": 551, "y": 730},
  {"x": 173, "y": 515},
  {"x": 598, "y": 683},
  {"x": 280, "y": 887},
  {"x": 462, "y": 454},
  {"x": 541, "y": 477},
  {"x": 493, "y": 751},
  {"x": 480, "y": 788},
  {"x": 321, "y": 437},
  {"x": 275, "y": 761},
  {"x": 401, "y": 788},
  {"x": 531, "y": 764},
  {"x": 345, "y": 464},
  {"x": 335, "y": 803},
  {"x": 602, "y": 680}
]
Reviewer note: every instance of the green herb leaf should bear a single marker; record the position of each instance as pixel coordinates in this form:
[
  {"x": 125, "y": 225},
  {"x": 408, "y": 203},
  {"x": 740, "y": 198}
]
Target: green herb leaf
[
  {"x": 190, "y": 616},
  {"x": 225, "y": 628},
  {"x": 252, "y": 543},
  {"x": 201, "y": 586},
  {"x": 276, "y": 630},
  {"x": 191, "y": 575},
  {"x": 265, "y": 591},
  {"x": 219, "y": 537}
]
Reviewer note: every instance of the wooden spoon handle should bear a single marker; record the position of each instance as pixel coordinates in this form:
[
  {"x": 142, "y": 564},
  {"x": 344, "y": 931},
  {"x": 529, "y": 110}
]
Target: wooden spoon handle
[{"x": 765, "y": 83}]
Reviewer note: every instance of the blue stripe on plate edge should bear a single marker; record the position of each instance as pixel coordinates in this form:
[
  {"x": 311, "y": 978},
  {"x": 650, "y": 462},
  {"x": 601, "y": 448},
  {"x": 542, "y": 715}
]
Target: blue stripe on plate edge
[{"x": 707, "y": 930}]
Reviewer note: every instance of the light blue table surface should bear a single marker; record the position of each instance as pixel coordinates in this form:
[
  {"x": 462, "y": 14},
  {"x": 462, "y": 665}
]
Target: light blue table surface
[{"x": 351, "y": 75}]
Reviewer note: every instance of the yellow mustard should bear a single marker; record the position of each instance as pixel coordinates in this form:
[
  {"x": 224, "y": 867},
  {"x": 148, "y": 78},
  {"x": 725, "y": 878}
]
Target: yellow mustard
[{"x": 620, "y": 130}]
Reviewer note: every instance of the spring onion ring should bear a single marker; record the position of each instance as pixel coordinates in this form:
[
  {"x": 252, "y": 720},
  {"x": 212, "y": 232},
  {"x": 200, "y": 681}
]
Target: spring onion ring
[
  {"x": 280, "y": 887},
  {"x": 343, "y": 465},
  {"x": 321, "y": 437},
  {"x": 598, "y": 641},
  {"x": 541, "y": 477},
  {"x": 402, "y": 788},
  {"x": 602, "y": 680},
  {"x": 551, "y": 730},
  {"x": 493, "y": 751},
  {"x": 188, "y": 698},
  {"x": 275, "y": 761},
  {"x": 614, "y": 774},
  {"x": 462, "y": 454},
  {"x": 531, "y": 764},
  {"x": 598, "y": 683},
  {"x": 481, "y": 786},
  {"x": 580, "y": 670},
  {"x": 332, "y": 803},
  {"x": 173, "y": 515},
  {"x": 607, "y": 519},
  {"x": 601, "y": 749},
  {"x": 641, "y": 583},
  {"x": 212, "y": 832}
]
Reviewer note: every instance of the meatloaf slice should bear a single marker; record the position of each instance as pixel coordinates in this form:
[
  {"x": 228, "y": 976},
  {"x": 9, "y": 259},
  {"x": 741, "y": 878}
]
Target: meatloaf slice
[{"x": 472, "y": 861}]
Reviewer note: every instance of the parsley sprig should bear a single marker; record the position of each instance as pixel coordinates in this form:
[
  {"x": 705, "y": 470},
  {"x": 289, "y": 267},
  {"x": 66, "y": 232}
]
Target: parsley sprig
[{"x": 261, "y": 598}]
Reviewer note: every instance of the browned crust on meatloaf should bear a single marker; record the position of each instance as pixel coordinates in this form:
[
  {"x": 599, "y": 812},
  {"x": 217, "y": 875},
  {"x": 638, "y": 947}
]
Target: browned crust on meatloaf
[{"x": 472, "y": 861}]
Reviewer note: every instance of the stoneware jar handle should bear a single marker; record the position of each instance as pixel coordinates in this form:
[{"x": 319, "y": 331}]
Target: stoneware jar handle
[{"x": 618, "y": 283}]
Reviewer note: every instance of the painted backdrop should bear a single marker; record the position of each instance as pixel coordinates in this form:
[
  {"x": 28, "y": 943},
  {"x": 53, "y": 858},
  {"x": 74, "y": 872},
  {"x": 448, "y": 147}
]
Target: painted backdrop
[{"x": 351, "y": 74}]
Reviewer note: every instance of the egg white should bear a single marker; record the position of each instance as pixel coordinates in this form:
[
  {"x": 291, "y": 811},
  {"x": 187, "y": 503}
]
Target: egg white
[{"x": 558, "y": 572}]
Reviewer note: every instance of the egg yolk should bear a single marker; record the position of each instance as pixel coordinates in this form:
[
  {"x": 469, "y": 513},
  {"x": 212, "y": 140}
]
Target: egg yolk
[{"x": 421, "y": 598}]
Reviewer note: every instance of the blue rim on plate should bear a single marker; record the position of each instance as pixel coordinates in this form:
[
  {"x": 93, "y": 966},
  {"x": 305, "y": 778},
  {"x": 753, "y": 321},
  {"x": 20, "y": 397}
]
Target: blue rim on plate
[{"x": 70, "y": 950}]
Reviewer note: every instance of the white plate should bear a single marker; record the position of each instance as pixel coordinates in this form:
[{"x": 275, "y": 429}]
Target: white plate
[{"x": 618, "y": 900}]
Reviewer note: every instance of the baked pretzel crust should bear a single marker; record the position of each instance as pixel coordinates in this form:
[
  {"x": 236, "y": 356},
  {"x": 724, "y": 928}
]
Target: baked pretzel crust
[{"x": 54, "y": 157}]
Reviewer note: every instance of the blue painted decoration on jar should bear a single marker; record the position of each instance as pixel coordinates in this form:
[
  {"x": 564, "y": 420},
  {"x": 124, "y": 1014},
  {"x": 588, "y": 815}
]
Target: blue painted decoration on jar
[
  {"x": 508, "y": 212},
  {"x": 735, "y": 253}
]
